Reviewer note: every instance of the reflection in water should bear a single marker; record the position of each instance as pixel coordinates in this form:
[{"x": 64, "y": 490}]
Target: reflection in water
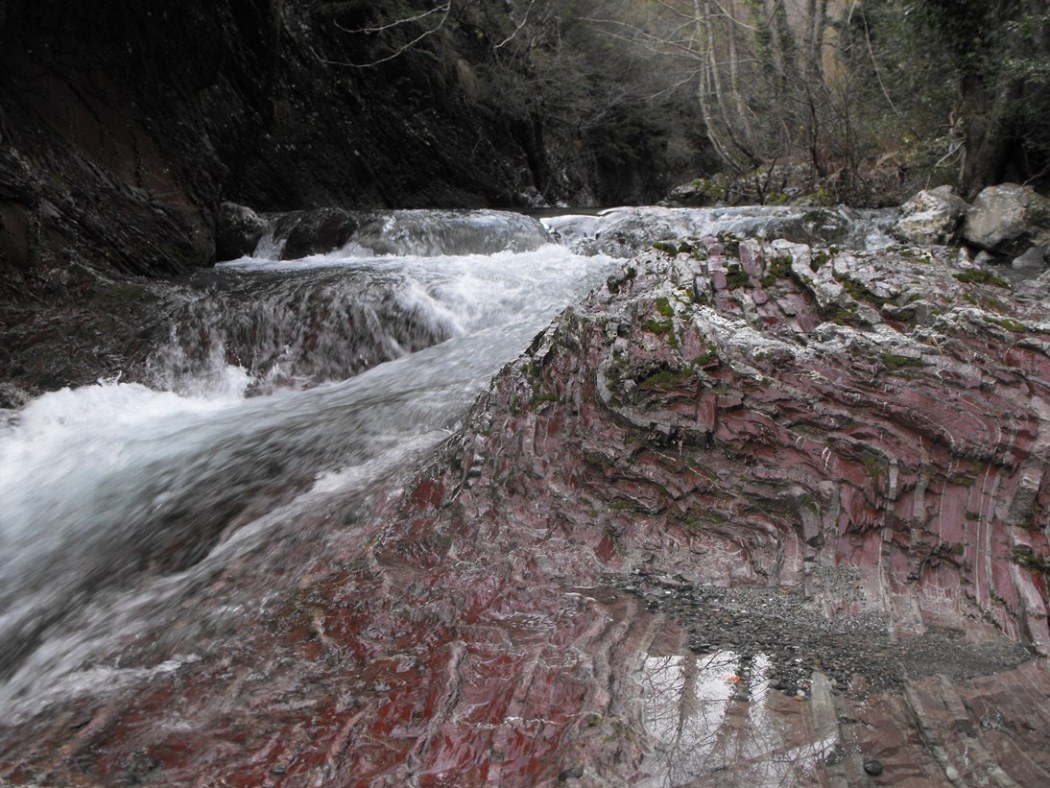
[{"x": 715, "y": 721}]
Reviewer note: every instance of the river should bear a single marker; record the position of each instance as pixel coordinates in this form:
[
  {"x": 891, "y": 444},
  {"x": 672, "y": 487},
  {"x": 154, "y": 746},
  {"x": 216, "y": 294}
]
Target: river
[{"x": 281, "y": 382}]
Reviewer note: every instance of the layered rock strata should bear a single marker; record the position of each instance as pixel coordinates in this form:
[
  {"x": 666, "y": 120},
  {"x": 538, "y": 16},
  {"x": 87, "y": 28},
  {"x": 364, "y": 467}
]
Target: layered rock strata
[{"x": 753, "y": 513}]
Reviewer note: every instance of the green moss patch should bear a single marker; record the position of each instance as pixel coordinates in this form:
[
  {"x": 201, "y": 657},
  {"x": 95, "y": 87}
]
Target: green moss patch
[
  {"x": 736, "y": 277},
  {"x": 777, "y": 268},
  {"x": 894, "y": 362},
  {"x": 730, "y": 244},
  {"x": 659, "y": 327},
  {"x": 1009, "y": 323},
  {"x": 668, "y": 379},
  {"x": 1025, "y": 558},
  {"x": 980, "y": 276}
]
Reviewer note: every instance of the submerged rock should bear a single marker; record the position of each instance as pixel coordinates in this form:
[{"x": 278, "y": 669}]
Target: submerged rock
[
  {"x": 314, "y": 232},
  {"x": 746, "y": 466}
]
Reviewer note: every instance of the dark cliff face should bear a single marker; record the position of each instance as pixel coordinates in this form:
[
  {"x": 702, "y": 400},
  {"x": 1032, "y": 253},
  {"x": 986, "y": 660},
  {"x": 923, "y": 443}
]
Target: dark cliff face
[
  {"x": 104, "y": 157},
  {"x": 123, "y": 127}
]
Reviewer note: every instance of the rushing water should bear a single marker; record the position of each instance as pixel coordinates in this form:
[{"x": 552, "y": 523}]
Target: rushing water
[
  {"x": 364, "y": 362},
  {"x": 280, "y": 379}
]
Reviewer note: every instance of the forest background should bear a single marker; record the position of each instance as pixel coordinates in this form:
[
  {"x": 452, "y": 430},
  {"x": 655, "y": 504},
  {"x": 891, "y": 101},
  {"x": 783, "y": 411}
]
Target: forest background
[{"x": 848, "y": 101}]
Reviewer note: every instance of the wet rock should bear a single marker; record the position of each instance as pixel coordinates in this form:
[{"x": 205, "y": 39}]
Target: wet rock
[
  {"x": 631, "y": 551},
  {"x": 532, "y": 198},
  {"x": 17, "y": 181},
  {"x": 873, "y": 767},
  {"x": 12, "y": 397},
  {"x": 695, "y": 194},
  {"x": 1007, "y": 218},
  {"x": 237, "y": 231},
  {"x": 314, "y": 232},
  {"x": 931, "y": 217}
]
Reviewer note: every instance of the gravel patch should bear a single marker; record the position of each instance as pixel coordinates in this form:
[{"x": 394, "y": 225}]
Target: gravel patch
[{"x": 856, "y": 652}]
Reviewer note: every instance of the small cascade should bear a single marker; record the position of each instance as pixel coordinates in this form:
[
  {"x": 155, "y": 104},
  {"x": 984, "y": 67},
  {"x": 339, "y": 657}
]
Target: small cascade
[
  {"x": 296, "y": 329},
  {"x": 627, "y": 231},
  {"x": 116, "y": 493},
  {"x": 419, "y": 233},
  {"x": 433, "y": 233}
]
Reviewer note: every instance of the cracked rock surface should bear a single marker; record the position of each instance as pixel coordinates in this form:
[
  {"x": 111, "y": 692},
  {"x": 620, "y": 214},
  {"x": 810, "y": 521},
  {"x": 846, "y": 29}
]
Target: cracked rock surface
[{"x": 753, "y": 513}]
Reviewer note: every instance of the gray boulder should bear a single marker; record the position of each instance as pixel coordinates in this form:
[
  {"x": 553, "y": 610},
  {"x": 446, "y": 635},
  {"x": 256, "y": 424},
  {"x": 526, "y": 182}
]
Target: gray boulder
[
  {"x": 931, "y": 217},
  {"x": 1032, "y": 262},
  {"x": 237, "y": 231},
  {"x": 1007, "y": 219}
]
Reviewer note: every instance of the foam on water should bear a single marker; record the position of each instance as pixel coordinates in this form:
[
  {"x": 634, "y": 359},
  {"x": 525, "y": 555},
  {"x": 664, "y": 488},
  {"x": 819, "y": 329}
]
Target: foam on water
[
  {"x": 115, "y": 491},
  {"x": 327, "y": 317},
  {"x": 57, "y": 448}
]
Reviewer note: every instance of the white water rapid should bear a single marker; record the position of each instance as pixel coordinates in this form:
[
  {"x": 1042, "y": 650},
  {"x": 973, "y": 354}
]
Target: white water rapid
[
  {"x": 283, "y": 382},
  {"x": 106, "y": 489}
]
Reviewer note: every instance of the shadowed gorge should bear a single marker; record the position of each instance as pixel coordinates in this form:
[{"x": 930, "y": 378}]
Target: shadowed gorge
[
  {"x": 348, "y": 436},
  {"x": 122, "y": 130}
]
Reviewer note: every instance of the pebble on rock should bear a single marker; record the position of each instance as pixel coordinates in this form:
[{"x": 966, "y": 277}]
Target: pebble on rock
[{"x": 873, "y": 767}]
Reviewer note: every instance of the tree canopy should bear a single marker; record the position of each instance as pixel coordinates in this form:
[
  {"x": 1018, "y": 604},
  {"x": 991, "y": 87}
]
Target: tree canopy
[{"x": 924, "y": 91}]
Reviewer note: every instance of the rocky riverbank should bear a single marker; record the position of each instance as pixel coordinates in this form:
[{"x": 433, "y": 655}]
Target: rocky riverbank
[{"x": 753, "y": 512}]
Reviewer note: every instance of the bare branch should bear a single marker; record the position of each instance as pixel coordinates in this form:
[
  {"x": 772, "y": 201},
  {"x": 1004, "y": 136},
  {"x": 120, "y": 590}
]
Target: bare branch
[
  {"x": 445, "y": 10},
  {"x": 521, "y": 24},
  {"x": 395, "y": 23}
]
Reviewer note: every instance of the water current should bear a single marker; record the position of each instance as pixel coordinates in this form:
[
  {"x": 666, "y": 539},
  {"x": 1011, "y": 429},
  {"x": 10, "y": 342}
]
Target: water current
[{"x": 281, "y": 382}]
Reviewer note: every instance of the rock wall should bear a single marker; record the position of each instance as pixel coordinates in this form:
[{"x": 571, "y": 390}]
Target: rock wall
[
  {"x": 123, "y": 128},
  {"x": 759, "y": 413},
  {"x": 752, "y": 513}
]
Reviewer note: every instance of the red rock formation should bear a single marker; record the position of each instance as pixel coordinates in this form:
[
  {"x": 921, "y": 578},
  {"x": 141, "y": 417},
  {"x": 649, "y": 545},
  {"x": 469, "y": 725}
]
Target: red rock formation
[{"x": 751, "y": 514}]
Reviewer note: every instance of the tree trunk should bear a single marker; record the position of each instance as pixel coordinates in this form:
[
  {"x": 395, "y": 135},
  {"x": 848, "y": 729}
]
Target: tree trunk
[{"x": 990, "y": 140}]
